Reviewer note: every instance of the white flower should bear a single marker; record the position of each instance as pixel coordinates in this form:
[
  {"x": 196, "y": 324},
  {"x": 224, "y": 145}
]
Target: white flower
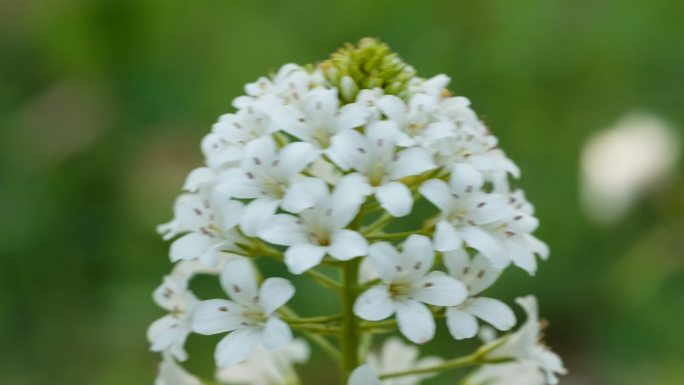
[
  {"x": 408, "y": 286},
  {"x": 249, "y": 317},
  {"x": 364, "y": 375},
  {"x": 171, "y": 373},
  {"x": 477, "y": 274},
  {"x": 513, "y": 233},
  {"x": 465, "y": 208},
  {"x": 320, "y": 117},
  {"x": 524, "y": 345},
  {"x": 397, "y": 356},
  {"x": 374, "y": 155},
  {"x": 224, "y": 146},
  {"x": 514, "y": 373},
  {"x": 319, "y": 228},
  {"x": 170, "y": 332},
  {"x": 209, "y": 224},
  {"x": 621, "y": 163},
  {"x": 266, "y": 367},
  {"x": 265, "y": 175},
  {"x": 416, "y": 119}
]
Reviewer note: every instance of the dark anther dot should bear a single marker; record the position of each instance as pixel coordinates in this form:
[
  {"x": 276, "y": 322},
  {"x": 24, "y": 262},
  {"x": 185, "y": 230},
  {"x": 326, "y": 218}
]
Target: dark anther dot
[
  {"x": 257, "y": 161},
  {"x": 236, "y": 288},
  {"x": 361, "y": 150},
  {"x": 480, "y": 274},
  {"x": 223, "y": 309},
  {"x": 510, "y": 233},
  {"x": 398, "y": 268},
  {"x": 466, "y": 270},
  {"x": 428, "y": 284},
  {"x": 250, "y": 175},
  {"x": 417, "y": 265},
  {"x": 519, "y": 217},
  {"x": 197, "y": 211},
  {"x": 481, "y": 204}
]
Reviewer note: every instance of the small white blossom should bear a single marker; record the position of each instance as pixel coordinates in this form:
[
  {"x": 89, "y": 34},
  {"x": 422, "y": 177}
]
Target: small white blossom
[
  {"x": 524, "y": 345},
  {"x": 265, "y": 175},
  {"x": 268, "y": 367},
  {"x": 374, "y": 154},
  {"x": 364, "y": 375},
  {"x": 465, "y": 209},
  {"x": 170, "y": 332},
  {"x": 514, "y": 373},
  {"x": 171, "y": 373},
  {"x": 397, "y": 356},
  {"x": 407, "y": 286},
  {"x": 477, "y": 274},
  {"x": 417, "y": 120},
  {"x": 209, "y": 227},
  {"x": 249, "y": 316},
  {"x": 319, "y": 227}
]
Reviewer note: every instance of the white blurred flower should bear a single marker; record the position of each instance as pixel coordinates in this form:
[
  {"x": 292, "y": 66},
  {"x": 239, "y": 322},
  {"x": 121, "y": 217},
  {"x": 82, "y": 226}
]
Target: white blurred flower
[
  {"x": 249, "y": 317},
  {"x": 477, "y": 274},
  {"x": 407, "y": 286},
  {"x": 514, "y": 373},
  {"x": 171, "y": 373},
  {"x": 267, "y": 367},
  {"x": 524, "y": 345},
  {"x": 364, "y": 375},
  {"x": 170, "y": 332},
  {"x": 624, "y": 161},
  {"x": 395, "y": 356}
]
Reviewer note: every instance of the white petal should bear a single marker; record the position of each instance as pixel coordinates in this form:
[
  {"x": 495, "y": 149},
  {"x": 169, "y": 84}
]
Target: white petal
[
  {"x": 276, "y": 334},
  {"x": 491, "y": 310},
  {"x": 236, "y": 347},
  {"x": 216, "y": 316},
  {"x": 256, "y": 214},
  {"x": 295, "y": 156},
  {"x": 446, "y": 237},
  {"x": 235, "y": 183},
  {"x": 197, "y": 178},
  {"x": 344, "y": 150},
  {"x": 239, "y": 281},
  {"x": 374, "y": 304},
  {"x": 351, "y": 116},
  {"x": 486, "y": 244},
  {"x": 461, "y": 324},
  {"x": 189, "y": 246},
  {"x": 395, "y": 197},
  {"x": 228, "y": 211},
  {"x": 283, "y": 229},
  {"x": 305, "y": 194},
  {"x": 412, "y": 161},
  {"x": 347, "y": 244},
  {"x": 363, "y": 375},
  {"x": 415, "y": 321},
  {"x": 274, "y": 293},
  {"x": 392, "y": 107},
  {"x": 348, "y": 196},
  {"x": 385, "y": 258},
  {"x": 439, "y": 289},
  {"x": 303, "y": 256},
  {"x": 438, "y": 193},
  {"x": 464, "y": 177},
  {"x": 419, "y": 255}
]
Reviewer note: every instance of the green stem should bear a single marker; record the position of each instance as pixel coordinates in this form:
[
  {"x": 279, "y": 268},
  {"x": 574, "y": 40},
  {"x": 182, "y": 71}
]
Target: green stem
[
  {"x": 323, "y": 279},
  {"x": 455, "y": 363},
  {"x": 318, "y": 329},
  {"x": 313, "y": 320},
  {"x": 320, "y": 341},
  {"x": 350, "y": 334}
]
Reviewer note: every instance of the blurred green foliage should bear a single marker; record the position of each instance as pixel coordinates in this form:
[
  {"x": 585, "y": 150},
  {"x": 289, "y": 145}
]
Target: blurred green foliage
[{"x": 103, "y": 104}]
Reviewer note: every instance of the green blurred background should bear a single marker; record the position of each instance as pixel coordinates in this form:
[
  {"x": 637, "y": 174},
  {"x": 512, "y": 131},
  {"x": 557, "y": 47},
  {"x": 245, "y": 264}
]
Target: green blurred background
[{"x": 103, "y": 104}]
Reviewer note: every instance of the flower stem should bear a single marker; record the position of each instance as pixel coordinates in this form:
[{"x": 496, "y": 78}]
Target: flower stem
[
  {"x": 455, "y": 363},
  {"x": 350, "y": 334},
  {"x": 323, "y": 279}
]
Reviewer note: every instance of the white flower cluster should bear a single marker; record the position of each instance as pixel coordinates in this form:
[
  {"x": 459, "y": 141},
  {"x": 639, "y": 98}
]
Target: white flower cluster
[{"x": 301, "y": 174}]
